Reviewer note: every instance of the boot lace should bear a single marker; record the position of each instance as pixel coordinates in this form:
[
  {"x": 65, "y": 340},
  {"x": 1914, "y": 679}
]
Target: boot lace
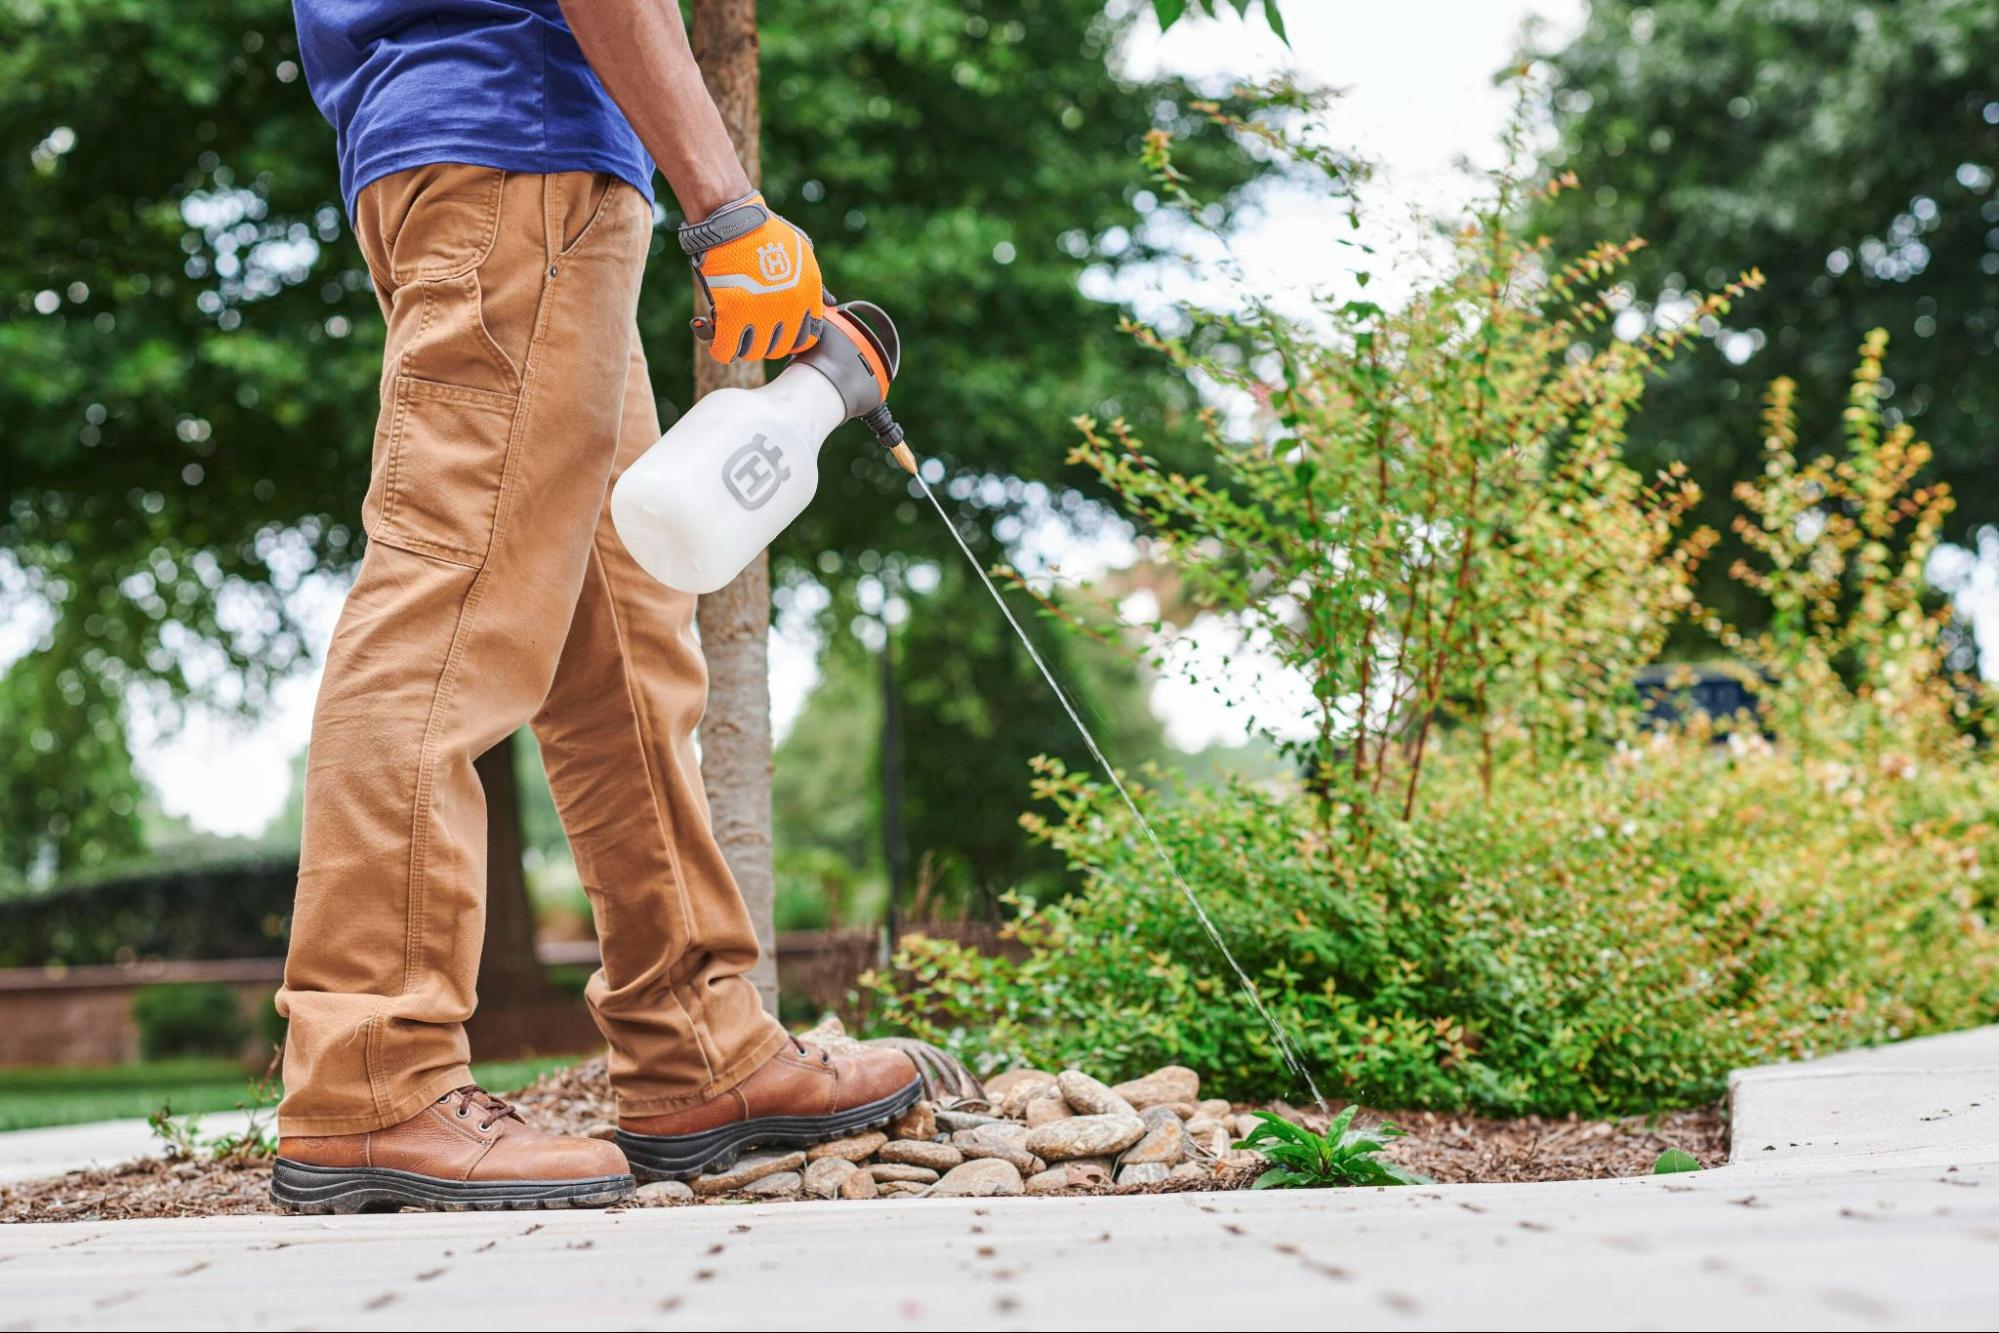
[
  {"x": 472, "y": 1097},
  {"x": 807, "y": 1052}
]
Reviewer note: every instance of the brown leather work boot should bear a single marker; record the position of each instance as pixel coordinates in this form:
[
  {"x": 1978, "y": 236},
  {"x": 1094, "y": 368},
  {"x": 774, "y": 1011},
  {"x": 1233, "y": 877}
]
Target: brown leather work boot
[
  {"x": 468, "y": 1149},
  {"x": 799, "y": 1097}
]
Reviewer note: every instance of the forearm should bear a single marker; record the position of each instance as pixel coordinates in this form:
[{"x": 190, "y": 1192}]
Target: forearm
[{"x": 639, "y": 50}]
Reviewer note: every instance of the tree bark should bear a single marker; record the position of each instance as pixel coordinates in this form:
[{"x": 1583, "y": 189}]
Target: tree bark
[
  {"x": 509, "y": 972},
  {"x": 735, "y": 622}
]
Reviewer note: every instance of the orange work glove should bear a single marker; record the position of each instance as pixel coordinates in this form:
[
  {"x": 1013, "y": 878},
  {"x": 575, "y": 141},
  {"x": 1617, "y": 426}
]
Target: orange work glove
[{"x": 760, "y": 275}]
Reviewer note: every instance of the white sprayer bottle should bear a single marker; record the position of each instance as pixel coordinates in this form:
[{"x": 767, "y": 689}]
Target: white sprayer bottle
[{"x": 732, "y": 473}]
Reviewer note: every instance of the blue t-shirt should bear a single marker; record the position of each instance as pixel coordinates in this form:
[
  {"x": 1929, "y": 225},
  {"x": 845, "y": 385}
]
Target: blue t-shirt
[{"x": 492, "y": 83}]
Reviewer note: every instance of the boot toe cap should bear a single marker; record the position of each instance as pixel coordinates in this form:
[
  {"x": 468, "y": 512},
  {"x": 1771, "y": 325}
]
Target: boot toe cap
[
  {"x": 538, "y": 1157},
  {"x": 876, "y": 1072}
]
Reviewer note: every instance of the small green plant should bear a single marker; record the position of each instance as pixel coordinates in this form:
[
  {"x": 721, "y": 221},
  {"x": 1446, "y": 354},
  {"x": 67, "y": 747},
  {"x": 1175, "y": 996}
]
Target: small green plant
[
  {"x": 256, "y": 1141},
  {"x": 176, "y": 1132},
  {"x": 1342, "y": 1155},
  {"x": 1673, "y": 1161}
]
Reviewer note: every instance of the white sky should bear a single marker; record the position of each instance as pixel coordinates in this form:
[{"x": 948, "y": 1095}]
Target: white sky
[{"x": 1417, "y": 79}]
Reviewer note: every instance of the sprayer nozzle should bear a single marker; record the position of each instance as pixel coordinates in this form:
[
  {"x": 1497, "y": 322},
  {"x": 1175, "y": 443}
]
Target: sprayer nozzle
[{"x": 901, "y": 454}]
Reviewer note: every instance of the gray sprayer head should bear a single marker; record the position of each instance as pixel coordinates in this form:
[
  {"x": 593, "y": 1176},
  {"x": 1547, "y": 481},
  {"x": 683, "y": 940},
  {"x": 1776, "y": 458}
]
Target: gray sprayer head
[{"x": 860, "y": 353}]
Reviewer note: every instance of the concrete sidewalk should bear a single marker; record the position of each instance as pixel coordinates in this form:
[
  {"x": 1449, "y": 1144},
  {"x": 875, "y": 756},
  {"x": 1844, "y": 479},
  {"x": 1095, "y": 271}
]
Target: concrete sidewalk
[{"x": 1875, "y": 1204}]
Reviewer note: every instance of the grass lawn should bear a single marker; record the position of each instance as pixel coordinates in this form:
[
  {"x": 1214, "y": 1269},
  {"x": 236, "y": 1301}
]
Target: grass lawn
[{"x": 33, "y": 1098}]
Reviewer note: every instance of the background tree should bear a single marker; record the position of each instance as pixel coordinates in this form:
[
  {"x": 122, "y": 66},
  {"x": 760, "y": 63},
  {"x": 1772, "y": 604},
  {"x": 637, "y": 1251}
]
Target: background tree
[
  {"x": 1846, "y": 148},
  {"x": 735, "y": 621},
  {"x": 974, "y": 712}
]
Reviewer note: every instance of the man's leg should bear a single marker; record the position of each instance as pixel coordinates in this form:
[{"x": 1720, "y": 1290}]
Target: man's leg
[
  {"x": 510, "y": 301},
  {"x": 617, "y": 738},
  {"x": 701, "y": 1071}
]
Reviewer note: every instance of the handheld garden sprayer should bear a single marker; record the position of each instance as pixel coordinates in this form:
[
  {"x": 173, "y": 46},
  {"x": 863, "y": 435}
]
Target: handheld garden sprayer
[
  {"x": 733, "y": 473},
  {"x": 741, "y": 464}
]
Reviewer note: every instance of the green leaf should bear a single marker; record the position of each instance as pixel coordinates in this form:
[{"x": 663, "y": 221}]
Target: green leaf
[
  {"x": 1275, "y": 1128},
  {"x": 1168, "y": 11},
  {"x": 1275, "y": 19},
  {"x": 1278, "y": 1178},
  {"x": 1673, "y": 1161}
]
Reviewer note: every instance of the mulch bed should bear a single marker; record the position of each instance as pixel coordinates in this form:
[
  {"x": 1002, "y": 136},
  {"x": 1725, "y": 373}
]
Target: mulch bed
[{"x": 1452, "y": 1148}]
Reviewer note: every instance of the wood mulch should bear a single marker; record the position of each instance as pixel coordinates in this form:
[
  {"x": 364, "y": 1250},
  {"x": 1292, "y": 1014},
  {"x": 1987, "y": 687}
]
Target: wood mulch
[{"x": 1452, "y": 1148}]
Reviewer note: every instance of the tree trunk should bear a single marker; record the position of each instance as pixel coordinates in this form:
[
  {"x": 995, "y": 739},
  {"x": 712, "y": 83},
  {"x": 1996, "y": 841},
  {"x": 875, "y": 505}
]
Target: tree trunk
[
  {"x": 735, "y": 622},
  {"x": 509, "y": 971},
  {"x": 895, "y": 845}
]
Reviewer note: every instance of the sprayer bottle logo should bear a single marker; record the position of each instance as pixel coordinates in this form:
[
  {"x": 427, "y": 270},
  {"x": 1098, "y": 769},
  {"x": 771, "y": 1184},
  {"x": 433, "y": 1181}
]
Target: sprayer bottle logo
[
  {"x": 754, "y": 472},
  {"x": 774, "y": 262}
]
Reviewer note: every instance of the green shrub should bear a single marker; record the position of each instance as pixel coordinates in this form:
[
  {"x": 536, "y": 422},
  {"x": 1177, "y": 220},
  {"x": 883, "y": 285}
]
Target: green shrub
[
  {"x": 188, "y": 1018},
  {"x": 1609, "y": 939}
]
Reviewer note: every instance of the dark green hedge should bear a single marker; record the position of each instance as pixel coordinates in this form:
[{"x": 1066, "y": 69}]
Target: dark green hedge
[{"x": 240, "y": 910}]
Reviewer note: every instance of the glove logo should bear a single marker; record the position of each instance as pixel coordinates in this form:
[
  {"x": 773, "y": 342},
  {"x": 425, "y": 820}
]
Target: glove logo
[
  {"x": 754, "y": 472},
  {"x": 773, "y": 262}
]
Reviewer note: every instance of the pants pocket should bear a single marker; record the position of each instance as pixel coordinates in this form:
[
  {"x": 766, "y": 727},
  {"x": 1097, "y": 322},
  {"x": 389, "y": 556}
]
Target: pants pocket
[{"x": 440, "y": 462}]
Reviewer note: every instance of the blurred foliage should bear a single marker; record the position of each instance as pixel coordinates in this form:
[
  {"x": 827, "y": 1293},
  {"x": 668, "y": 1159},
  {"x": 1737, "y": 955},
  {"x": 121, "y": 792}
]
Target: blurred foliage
[
  {"x": 974, "y": 713},
  {"x": 240, "y": 910},
  {"x": 69, "y": 799},
  {"x": 189, "y": 352},
  {"x": 188, "y": 1018},
  {"x": 1846, "y": 148}
]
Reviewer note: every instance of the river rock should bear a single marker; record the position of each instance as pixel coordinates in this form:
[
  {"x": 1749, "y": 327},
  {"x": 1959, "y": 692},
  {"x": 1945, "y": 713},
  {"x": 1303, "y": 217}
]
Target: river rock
[
  {"x": 602, "y": 1129},
  {"x": 921, "y": 1152},
  {"x": 859, "y": 1185},
  {"x": 1002, "y": 1088},
  {"x": 855, "y": 1147},
  {"x": 898, "y": 1173},
  {"x": 1085, "y": 1136},
  {"x": 1142, "y": 1173},
  {"x": 918, "y": 1122},
  {"x": 999, "y": 1134},
  {"x": 1209, "y": 1138},
  {"x": 747, "y": 1170},
  {"x": 903, "y": 1189},
  {"x": 777, "y": 1185},
  {"x": 1087, "y": 1096},
  {"x": 1169, "y": 1083},
  {"x": 954, "y": 1121},
  {"x": 1090, "y": 1170},
  {"x": 666, "y": 1191},
  {"x": 1217, "y": 1107},
  {"x": 1045, "y": 1108},
  {"x": 986, "y": 1178},
  {"x": 1165, "y": 1141},
  {"x": 1190, "y": 1171},
  {"x": 824, "y": 1177},
  {"x": 1005, "y": 1142},
  {"x": 1066, "y": 1176},
  {"x": 1052, "y": 1181}
]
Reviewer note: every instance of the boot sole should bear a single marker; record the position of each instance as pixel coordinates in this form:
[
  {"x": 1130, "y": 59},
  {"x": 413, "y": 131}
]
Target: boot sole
[
  {"x": 299, "y": 1188},
  {"x": 685, "y": 1156}
]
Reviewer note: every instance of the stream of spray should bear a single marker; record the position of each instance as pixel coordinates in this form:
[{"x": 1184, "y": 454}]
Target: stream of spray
[{"x": 1284, "y": 1046}]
